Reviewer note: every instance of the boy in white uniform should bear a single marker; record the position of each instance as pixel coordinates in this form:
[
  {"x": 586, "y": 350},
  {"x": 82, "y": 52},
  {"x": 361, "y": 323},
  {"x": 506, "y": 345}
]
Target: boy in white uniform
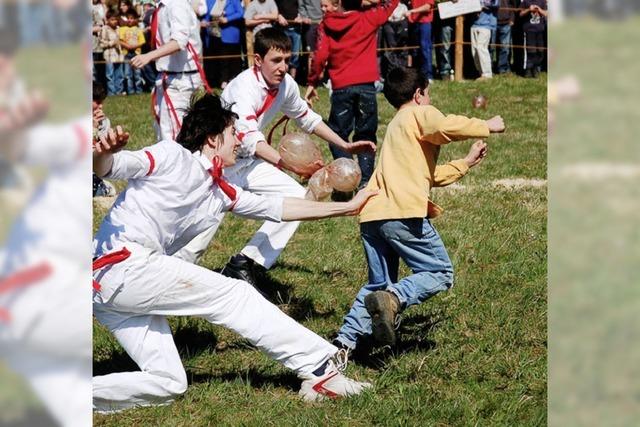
[
  {"x": 176, "y": 191},
  {"x": 257, "y": 95},
  {"x": 175, "y": 39}
]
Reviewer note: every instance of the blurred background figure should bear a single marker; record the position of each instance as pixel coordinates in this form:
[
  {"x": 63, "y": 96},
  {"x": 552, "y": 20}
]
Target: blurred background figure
[
  {"x": 593, "y": 306},
  {"x": 45, "y": 311}
]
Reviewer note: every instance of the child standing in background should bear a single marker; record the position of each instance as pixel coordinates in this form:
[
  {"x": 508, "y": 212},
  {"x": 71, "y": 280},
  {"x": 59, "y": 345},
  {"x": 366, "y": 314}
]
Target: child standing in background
[
  {"x": 110, "y": 43},
  {"x": 131, "y": 39}
]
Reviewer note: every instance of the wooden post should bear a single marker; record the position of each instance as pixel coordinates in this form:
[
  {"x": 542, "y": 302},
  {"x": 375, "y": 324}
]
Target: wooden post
[
  {"x": 459, "y": 48},
  {"x": 249, "y": 38}
]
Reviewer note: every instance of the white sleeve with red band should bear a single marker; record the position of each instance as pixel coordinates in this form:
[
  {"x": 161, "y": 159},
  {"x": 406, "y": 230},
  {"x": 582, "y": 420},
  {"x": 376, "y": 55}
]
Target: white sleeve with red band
[
  {"x": 296, "y": 108},
  {"x": 243, "y": 99},
  {"x": 137, "y": 164},
  {"x": 57, "y": 145},
  {"x": 254, "y": 206}
]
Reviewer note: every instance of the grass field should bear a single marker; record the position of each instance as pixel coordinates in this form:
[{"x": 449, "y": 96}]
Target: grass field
[{"x": 476, "y": 355}]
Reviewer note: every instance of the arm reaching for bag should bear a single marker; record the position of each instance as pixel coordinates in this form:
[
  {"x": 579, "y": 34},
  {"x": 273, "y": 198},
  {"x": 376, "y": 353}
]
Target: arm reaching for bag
[{"x": 300, "y": 209}]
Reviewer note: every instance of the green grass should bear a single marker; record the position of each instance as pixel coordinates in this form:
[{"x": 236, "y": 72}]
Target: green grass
[{"x": 474, "y": 356}]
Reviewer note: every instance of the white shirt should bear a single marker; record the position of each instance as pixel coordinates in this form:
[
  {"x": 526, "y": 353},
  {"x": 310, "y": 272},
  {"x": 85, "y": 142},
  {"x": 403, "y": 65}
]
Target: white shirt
[
  {"x": 177, "y": 21},
  {"x": 53, "y": 224},
  {"x": 170, "y": 199},
  {"x": 256, "y": 108}
]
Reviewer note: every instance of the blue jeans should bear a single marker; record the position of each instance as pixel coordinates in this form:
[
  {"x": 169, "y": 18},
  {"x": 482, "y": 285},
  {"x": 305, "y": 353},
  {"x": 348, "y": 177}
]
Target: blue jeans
[
  {"x": 296, "y": 45},
  {"x": 355, "y": 108},
  {"x": 444, "y": 52},
  {"x": 503, "y": 35},
  {"x": 425, "y": 49},
  {"x": 134, "y": 83},
  {"x": 385, "y": 242},
  {"x": 113, "y": 71}
]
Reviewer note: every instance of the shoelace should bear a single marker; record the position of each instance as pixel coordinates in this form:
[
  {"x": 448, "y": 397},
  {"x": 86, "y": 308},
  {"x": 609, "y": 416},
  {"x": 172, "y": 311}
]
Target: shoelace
[
  {"x": 340, "y": 359},
  {"x": 397, "y": 321}
]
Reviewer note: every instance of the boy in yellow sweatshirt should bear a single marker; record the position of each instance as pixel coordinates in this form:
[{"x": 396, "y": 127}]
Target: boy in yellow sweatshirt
[{"x": 394, "y": 224}]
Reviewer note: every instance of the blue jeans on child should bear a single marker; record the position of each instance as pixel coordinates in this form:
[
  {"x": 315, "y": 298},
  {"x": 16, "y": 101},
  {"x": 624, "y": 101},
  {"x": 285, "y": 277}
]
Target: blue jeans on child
[
  {"x": 115, "y": 77},
  {"x": 296, "y": 45},
  {"x": 385, "y": 242},
  {"x": 134, "y": 83},
  {"x": 425, "y": 49},
  {"x": 503, "y": 34},
  {"x": 355, "y": 108}
]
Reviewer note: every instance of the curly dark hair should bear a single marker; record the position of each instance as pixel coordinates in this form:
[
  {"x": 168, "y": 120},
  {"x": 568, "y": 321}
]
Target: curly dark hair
[{"x": 209, "y": 116}]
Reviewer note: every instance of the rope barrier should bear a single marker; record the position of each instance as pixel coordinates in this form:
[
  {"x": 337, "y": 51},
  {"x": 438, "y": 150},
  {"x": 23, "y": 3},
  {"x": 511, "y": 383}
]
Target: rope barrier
[{"x": 383, "y": 49}]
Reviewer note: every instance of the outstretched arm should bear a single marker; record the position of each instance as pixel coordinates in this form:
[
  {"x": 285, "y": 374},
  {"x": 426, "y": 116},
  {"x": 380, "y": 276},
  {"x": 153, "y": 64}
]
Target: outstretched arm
[
  {"x": 300, "y": 209},
  {"x": 325, "y": 132}
]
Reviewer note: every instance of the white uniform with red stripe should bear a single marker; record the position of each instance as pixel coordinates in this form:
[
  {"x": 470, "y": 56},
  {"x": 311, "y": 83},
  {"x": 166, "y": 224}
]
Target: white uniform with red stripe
[
  {"x": 256, "y": 106},
  {"x": 45, "y": 321},
  {"x": 178, "y": 74},
  {"x": 170, "y": 198}
]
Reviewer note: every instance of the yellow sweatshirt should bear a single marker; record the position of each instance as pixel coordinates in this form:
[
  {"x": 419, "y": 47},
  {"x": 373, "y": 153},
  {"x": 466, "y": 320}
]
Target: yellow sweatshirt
[{"x": 406, "y": 169}]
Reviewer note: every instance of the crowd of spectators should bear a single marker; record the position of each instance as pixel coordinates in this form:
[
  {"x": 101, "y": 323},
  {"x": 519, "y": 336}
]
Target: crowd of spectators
[{"x": 413, "y": 36}]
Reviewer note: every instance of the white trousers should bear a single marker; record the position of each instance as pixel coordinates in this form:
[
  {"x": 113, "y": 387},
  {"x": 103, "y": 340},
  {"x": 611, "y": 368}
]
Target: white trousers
[
  {"x": 480, "y": 38},
  {"x": 47, "y": 339},
  {"x": 138, "y": 293},
  {"x": 263, "y": 178},
  {"x": 180, "y": 88}
]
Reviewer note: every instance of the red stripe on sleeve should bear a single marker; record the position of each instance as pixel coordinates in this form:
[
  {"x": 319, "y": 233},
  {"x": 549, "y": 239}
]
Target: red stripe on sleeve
[
  {"x": 152, "y": 162},
  {"x": 83, "y": 140}
]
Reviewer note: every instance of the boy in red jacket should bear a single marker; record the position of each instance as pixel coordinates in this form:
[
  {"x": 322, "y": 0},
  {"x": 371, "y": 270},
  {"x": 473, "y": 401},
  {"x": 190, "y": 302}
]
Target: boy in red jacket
[{"x": 347, "y": 42}]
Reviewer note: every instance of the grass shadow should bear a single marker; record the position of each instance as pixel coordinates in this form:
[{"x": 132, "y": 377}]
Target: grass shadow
[
  {"x": 255, "y": 378},
  {"x": 412, "y": 336},
  {"x": 281, "y": 294},
  {"x": 190, "y": 341}
]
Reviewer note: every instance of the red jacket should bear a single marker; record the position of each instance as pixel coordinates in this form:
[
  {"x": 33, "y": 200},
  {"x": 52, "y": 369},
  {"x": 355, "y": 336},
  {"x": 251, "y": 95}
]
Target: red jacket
[
  {"x": 347, "y": 45},
  {"x": 422, "y": 17}
]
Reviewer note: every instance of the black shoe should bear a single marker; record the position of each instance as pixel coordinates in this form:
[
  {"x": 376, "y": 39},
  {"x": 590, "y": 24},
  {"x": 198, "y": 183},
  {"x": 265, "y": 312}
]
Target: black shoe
[
  {"x": 241, "y": 267},
  {"x": 341, "y": 345},
  {"x": 528, "y": 73},
  {"x": 383, "y": 307}
]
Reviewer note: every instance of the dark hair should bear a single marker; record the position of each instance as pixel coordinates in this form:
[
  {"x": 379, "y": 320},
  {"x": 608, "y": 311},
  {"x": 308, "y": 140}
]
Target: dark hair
[
  {"x": 112, "y": 14},
  {"x": 129, "y": 3},
  {"x": 271, "y": 38},
  {"x": 210, "y": 115},
  {"x": 352, "y": 4},
  {"x": 132, "y": 13},
  {"x": 99, "y": 92},
  {"x": 401, "y": 83}
]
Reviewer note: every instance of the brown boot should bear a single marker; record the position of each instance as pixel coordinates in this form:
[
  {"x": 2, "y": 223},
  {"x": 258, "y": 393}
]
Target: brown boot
[{"x": 383, "y": 307}]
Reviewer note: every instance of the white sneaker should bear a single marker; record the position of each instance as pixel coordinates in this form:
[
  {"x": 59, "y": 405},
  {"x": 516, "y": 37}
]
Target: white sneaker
[{"x": 332, "y": 384}]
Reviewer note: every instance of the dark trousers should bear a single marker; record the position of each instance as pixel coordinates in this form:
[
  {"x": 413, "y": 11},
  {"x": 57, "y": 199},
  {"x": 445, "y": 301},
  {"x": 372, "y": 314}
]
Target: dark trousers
[
  {"x": 534, "y": 56},
  {"x": 229, "y": 67},
  {"x": 393, "y": 34},
  {"x": 355, "y": 109}
]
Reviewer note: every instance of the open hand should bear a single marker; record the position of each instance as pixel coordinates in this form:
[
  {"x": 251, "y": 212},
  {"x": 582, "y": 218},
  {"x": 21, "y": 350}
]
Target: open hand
[
  {"x": 359, "y": 200},
  {"x": 112, "y": 142},
  {"x": 304, "y": 172},
  {"x": 358, "y": 147},
  {"x": 311, "y": 95},
  {"x": 32, "y": 109}
]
